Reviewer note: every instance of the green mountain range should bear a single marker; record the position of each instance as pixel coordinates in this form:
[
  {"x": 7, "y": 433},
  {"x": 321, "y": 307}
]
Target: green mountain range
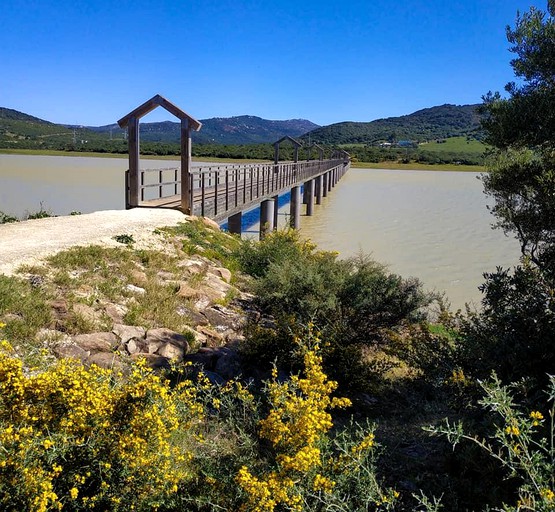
[
  {"x": 19, "y": 130},
  {"x": 22, "y": 130},
  {"x": 439, "y": 122}
]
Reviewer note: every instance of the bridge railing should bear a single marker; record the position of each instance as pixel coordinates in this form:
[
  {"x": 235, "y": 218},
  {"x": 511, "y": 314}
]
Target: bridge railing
[{"x": 220, "y": 190}]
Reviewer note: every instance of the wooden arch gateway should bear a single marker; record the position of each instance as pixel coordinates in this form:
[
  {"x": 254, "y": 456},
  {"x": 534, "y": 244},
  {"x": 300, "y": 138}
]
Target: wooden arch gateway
[{"x": 131, "y": 122}]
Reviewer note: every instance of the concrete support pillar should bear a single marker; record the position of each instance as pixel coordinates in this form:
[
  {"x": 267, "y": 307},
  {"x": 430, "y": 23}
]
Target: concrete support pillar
[
  {"x": 309, "y": 197},
  {"x": 295, "y": 207},
  {"x": 318, "y": 191},
  {"x": 234, "y": 223},
  {"x": 305, "y": 192},
  {"x": 325, "y": 184},
  {"x": 266, "y": 217},
  {"x": 330, "y": 180},
  {"x": 276, "y": 211}
]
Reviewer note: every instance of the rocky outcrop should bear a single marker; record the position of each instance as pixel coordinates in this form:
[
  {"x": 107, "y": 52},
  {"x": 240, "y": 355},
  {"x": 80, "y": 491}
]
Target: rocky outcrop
[{"x": 210, "y": 341}]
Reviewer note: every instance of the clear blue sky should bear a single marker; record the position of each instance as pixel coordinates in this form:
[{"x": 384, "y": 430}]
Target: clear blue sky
[{"x": 91, "y": 62}]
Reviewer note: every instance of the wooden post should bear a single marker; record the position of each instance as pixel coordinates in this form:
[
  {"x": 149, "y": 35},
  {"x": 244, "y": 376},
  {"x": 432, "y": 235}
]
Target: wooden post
[
  {"x": 295, "y": 208},
  {"x": 185, "y": 167},
  {"x": 318, "y": 183},
  {"x": 305, "y": 192},
  {"x": 276, "y": 208},
  {"x": 266, "y": 217},
  {"x": 133, "y": 136},
  {"x": 234, "y": 223},
  {"x": 309, "y": 197}
]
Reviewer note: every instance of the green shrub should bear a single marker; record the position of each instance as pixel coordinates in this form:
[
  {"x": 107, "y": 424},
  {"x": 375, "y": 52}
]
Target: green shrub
[
  {"x": 5, "y": 218},
  {"x": 513, "y": 334},
  {"x": 522, "y": 443}
]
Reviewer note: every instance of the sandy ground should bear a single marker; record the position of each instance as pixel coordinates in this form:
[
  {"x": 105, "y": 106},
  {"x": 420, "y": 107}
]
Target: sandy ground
[{"x": 28, "y": 242}]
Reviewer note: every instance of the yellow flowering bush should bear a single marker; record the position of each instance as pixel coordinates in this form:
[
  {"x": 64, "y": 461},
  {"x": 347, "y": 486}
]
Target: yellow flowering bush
[
  {"x": 86, "y": 439},
  {"x": 310, "y": 469}
]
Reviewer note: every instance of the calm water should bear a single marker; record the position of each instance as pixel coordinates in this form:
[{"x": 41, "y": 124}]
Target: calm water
[
  {"x": 432, "y": 225},
  {"x": 61, "y": 184}
]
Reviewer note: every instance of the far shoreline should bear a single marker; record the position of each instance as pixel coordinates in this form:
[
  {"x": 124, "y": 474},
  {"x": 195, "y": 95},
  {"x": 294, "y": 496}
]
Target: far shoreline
[{"x": 386, "y": 165}]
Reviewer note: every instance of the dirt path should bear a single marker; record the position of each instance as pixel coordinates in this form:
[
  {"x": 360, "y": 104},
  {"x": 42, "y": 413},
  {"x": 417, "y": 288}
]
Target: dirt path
[{"x": 29, "y": 241}]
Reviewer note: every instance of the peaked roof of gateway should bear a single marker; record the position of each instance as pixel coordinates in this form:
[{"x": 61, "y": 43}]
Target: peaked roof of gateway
[{"x": 155, "y": 102}]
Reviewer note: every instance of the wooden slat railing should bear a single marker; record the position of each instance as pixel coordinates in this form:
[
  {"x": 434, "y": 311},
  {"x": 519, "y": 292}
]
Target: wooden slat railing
[{"x": 221, "y": 190}]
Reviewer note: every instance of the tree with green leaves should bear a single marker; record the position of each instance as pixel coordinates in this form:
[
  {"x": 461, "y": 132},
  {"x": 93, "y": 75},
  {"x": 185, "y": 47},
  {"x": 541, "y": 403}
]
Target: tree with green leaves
[
  {"x": 521, "y": 128},
  {"x": 514, "y": 334}
]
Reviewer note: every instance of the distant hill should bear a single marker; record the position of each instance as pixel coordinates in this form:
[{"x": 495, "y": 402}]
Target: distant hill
[
  {"x": 222, "y": 130},
  {"x": 17, "y": 127},
  {"x": 439, "y": 122},
  {"x": 8, "y": 113}
]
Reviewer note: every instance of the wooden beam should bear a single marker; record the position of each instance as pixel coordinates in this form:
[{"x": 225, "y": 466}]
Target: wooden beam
[
  {"x": 185, "y": 167},
  {"x": 133, "y": 141},
  {"x": 155, "y": 102}
]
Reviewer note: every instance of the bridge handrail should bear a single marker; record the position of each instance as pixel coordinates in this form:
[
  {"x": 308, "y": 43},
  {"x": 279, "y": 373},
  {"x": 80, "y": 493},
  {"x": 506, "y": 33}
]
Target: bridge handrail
[{"x": 220, "y": 189}]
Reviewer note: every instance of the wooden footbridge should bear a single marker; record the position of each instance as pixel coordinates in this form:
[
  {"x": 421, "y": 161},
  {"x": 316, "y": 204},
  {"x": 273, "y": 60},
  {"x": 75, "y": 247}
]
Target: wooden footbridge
[{"x": 224, "y": 191}]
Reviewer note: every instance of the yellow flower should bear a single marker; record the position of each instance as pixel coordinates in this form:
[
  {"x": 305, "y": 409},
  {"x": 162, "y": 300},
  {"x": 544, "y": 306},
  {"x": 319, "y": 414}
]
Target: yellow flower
[
  {"x": 547, "y": 494},
  {"x": 537, "y": 417},
  {"x": 512, "y": 430},
  {"x": 74, "y": 492}
]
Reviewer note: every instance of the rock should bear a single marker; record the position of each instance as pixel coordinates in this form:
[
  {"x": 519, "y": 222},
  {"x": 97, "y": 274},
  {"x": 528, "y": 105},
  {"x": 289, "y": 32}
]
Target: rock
[
  {"x": 214, "y": 378},
  {"x": 59, "y": 309},
  {"x": 160, "y": 336},
  {"x": 70, "y": 351},
  {"x": 209, "y": 223},
  {"x": 153, "y": 361},
  {"x": 194, "y": 317},
  {"x": 200, "y": 338},
  {"x": 187, "y": 292},
  {"x": 52, "y": 337},
  {"x": 206, "y": 358},
  {"x": 105, "y": 360},
  {"x": 97, "y": 341},
  {"x": 222, "y": 273},
  {"x": 11, "y": 317},
  {"x": 217, "y": 284},
  {"x": 135, "y": 289},
  {"x": 135, "y": 346},
  {"x": 210, "y": 334},
  {"x": 220, "y": 316},
  {"x": 139, "y": 277},
  {"x": 171, "y": 351},
  {"x": 87, "y": 313},
  {"x": 165, "y": 276},
  {"x": 128, "y": 332},
  {"x": 116, "y": 312},
  {"x": 203, "y": 302},
  {"x": 228, "y": 364}
]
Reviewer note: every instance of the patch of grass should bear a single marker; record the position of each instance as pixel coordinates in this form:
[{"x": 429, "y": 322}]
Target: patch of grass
[
  {"x": 455, "y": 145},
  {"x": 414, "y": 166},
  {"x": 40, "y": 214},
  {"x": 214, "y": 245},
  {"x": 23, "y": 309}
]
